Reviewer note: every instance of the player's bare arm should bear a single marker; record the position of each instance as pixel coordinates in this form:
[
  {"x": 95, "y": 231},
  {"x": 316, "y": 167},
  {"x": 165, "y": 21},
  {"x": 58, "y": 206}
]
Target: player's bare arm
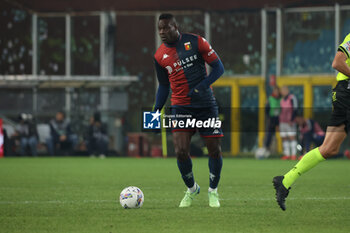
[{"x": 339, "y": 63}]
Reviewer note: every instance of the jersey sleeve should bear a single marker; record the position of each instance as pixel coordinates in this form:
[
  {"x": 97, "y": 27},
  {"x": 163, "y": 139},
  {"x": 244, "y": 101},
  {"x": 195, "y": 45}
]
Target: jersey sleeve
[
  {"x": 207, "y": 52},
  {"x": 162, "y": 74},
  {"x": 345, "y": 48}
]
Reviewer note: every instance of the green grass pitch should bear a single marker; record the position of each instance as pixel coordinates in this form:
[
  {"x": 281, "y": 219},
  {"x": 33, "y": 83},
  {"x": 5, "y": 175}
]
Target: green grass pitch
[{"x": 82, "y": 195}]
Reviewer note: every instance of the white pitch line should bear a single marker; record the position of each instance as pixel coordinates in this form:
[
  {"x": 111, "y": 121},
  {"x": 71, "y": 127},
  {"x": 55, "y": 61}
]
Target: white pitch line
[
  {"x": 115, "y": 201},
  {"x": 56, "y": 202}
]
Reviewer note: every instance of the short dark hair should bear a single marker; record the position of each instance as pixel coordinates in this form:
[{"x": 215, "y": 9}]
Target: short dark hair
[{"x": 166, "y": 16}]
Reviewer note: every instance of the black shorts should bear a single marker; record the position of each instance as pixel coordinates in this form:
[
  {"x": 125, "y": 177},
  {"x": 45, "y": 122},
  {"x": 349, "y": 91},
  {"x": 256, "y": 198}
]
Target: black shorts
[
  {"x": 341, "y": 105},
  {"x": 183, "y": 113}
]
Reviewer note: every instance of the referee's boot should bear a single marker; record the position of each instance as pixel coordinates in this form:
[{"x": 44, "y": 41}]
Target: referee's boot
[{"x": 281, "y": 191}]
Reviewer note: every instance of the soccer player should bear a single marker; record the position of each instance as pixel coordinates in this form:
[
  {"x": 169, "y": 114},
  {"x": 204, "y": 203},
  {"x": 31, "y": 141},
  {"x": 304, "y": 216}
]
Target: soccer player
[
  {"x": 180, "y": 64},
  {"x": 336, "y": 131},
  {"x": 288, "y": 128}
]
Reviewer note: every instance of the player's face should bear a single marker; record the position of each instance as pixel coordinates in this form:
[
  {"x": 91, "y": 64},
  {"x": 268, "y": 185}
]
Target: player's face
[
  {"x": 284, "y": 91},
  {"x": 276, "y": 92},
  {"x": 59, "y": 116},
  {"x": 168, "y": 31},
  {"x": 299, "y": 120}
]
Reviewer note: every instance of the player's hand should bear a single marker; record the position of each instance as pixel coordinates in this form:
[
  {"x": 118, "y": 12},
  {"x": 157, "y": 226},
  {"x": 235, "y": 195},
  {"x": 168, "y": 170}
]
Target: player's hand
[{"x": 192, "y": 91}]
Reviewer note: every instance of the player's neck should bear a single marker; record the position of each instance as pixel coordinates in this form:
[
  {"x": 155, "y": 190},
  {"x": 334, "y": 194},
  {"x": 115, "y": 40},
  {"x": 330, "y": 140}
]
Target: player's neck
[{"x": 175, "y": 40}]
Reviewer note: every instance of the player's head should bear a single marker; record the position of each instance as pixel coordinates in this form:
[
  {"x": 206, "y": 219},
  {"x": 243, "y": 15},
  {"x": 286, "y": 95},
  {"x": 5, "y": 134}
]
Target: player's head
[
  {"x": 299, "y": 119},
  {"x": 167, "y": 28},
  {"x": 60, "y": 116},
  {"x": 284, "y": 91},
  {"x": 276, "y": 92},
  {"x": 22, "y": 117}
]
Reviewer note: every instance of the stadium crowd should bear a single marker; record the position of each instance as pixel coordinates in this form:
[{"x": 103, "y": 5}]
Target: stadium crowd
[{"x": 58, "y": 137}]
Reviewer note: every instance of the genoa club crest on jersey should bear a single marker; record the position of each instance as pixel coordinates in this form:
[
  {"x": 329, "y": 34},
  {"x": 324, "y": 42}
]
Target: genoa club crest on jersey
[{"x": 188, "y": 46}]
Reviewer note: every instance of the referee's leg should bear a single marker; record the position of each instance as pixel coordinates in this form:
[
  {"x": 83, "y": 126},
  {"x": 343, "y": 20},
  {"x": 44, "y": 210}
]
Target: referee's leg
[{"x": 335, "y": 136}]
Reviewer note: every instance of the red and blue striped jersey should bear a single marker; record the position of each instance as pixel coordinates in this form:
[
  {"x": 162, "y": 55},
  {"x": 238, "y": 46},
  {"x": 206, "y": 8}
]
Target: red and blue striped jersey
[{"x": 182, "y": 64}]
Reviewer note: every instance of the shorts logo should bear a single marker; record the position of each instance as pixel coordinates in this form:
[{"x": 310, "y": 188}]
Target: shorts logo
[
  {"x": 151, "y": 120},
  {"x": 188, "y": 46},
  {"x": 334, "y": 96}
]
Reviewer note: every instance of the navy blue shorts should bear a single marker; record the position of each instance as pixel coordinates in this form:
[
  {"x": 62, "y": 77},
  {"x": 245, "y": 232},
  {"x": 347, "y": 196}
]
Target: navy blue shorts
[{"x": 209, "y": 116}]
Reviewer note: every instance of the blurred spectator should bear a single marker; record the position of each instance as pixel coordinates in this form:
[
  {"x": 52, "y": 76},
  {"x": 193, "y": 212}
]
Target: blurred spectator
[
  {"x": 61, "y": 136},
  {"x": 97, "y": 137},
  {"x": 288, "y": 129},
  {"x": 10, "y": 142},
  {"x": 5, "y": 142},
  {"x": 27, "y": 134},
  {"x": 310, "y": 132},
  {"x": 273, "y": 111}
]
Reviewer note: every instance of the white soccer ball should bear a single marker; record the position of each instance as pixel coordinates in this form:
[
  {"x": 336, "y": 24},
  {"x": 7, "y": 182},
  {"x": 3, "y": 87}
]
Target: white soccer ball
[{"x": 131, "y": 198}]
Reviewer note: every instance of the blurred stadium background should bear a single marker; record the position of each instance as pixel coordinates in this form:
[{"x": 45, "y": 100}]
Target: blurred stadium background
[{"x": 86, "y": 56}]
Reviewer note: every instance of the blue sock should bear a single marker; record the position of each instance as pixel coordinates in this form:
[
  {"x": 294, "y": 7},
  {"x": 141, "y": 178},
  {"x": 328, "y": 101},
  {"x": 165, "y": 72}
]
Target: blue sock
[
  {"x": 215, "y": 165},
  {"x": 185, "y": 168}
]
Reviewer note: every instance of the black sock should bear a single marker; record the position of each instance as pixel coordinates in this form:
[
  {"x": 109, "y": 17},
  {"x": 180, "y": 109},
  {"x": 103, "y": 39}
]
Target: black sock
[
  {"x": 185, "y": 168},
  {"x": 215, "y": 165}
]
